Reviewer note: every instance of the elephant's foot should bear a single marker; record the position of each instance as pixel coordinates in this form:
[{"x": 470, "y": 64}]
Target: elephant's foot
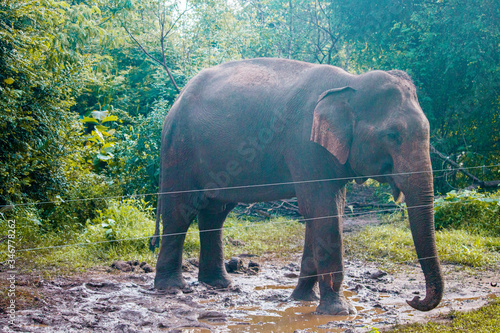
[
  {"x": 170, "y": 283},
  {"x": 306, "y": 290},
  {"x": 336, "y": 305},
  {"x": 304, "y": 294},
  {"x": 219, "y": 281}
]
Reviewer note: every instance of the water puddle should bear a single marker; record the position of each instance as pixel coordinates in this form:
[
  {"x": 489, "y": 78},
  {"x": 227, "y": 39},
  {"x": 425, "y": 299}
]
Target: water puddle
[
  {"x": 282, "y": 316},
  {"x": 275, "y": 287},
  {"x": 286, "y": 319},
  {"x": 470, "y": 299}
]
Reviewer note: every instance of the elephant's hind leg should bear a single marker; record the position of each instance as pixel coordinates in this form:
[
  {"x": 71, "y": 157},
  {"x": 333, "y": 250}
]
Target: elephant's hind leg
[
  {"x": 306, "y": 289},
  {"x": 176, "y": 216},
  {"x": 212, "y": 270}
]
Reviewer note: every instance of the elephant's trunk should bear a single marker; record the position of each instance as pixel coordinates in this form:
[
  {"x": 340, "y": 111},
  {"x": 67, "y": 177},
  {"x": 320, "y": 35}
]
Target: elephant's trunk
[{"x": 419, "y": 193}]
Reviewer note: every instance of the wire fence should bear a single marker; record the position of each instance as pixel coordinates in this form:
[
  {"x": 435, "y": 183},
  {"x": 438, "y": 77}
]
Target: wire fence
[
  {"x": 447, "y": 271},
  {"x": 254, "y": 225},
  {"x": 377, "y": 211},
  {"x": 224, "y": 188}
]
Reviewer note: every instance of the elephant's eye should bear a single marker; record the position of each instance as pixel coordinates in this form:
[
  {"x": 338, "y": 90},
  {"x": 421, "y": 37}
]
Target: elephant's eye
[{"x": 394, "y": 136}]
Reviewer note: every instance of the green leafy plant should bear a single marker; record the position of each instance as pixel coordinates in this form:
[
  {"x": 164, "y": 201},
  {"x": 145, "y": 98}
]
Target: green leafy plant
[
  {"x": 100, "y": 134},
  {"x": 473, "y": 211}
]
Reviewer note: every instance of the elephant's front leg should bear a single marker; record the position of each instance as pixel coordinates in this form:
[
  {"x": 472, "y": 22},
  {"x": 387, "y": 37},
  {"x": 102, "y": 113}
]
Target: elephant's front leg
[
  {"x": 323, "y": 209},
  {"x": 328, "y": 252}
]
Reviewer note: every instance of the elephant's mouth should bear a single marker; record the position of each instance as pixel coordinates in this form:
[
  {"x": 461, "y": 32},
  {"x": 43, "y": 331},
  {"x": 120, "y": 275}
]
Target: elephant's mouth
[{"x": 396, "y": 192}]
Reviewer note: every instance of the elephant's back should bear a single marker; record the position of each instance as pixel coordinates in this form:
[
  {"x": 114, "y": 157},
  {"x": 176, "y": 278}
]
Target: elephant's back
[{"x": 235, "y": 99}]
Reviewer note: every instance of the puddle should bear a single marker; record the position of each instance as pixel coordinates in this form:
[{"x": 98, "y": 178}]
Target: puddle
[
  {"x": 470, "y": 299},
  {"x": 287, "y": 319},
  {"x": 187, "y": 330},
  {"x": 275, "y": 287}
]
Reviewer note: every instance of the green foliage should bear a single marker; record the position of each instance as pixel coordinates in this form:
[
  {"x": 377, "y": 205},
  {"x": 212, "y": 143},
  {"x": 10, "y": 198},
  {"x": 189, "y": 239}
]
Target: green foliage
[
  {"x": 393, "y": 243},
  {"x": 131, "y": 219},
  {"x": 120, "y": 229},
  {"x": 61, "y": 61},
  {"x": 475, "y": 212},
  {"x": 81, "y": 204}
]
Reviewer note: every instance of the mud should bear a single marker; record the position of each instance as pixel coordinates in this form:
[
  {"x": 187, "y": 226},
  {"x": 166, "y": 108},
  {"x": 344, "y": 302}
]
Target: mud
[{"x": 258, "y": 302}]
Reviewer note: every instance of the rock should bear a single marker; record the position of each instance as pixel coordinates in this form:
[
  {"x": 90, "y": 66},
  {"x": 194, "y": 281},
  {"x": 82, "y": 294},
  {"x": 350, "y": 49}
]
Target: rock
[
  {"x": 234, "y": 265},
  {"x": 291, "y": 275},
  {"x": 253, "y": 267},
  {"x": 236, "y": 242},
  {"x": 143, "y": 263},
  {"x": 357, "y": 288},
  {"x": 292, "y": 267},
  {"x": 247, "y": 255},
  {"x": 377, "y": 274},
  {"x": 122, "y": 266},
  {"x": 253, "y": 264},
  {"x": 133, "y": 262},
  {"x": 211, "y": 315},
  {"x": 147, "y": 268}
]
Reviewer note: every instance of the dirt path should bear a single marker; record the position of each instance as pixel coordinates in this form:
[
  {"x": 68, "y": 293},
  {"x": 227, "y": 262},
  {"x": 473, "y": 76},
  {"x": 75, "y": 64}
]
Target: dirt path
[{"x": 125, "y": 302}]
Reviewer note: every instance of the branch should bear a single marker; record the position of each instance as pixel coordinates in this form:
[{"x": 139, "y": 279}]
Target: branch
[
  {"x": 175, "y": 22},
  {"x": 141, "y": 47},
  {"x": 476, "y": 181},
  {"x": 163, "y": 64},
  {"x": 455, "y": 164}
]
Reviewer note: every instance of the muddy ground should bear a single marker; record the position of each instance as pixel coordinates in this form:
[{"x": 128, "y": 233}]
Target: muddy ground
[
  {"x": 102, "y": 301},
  {"x": 108, "y": 299}
]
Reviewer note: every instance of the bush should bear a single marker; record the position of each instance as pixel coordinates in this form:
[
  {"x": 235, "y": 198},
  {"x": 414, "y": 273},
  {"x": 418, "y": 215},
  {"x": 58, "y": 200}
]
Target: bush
[
  {"x": 120, "y": 230},
  {"x": 81, "y": 204},
  {"x": 475, "y": 212}
]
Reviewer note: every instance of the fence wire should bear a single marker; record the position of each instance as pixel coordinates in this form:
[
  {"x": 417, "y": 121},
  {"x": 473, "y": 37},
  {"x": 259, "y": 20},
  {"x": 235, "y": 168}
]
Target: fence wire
[
  {"x": 61, "y": 201},
  {"x": 300, "y": 220}
]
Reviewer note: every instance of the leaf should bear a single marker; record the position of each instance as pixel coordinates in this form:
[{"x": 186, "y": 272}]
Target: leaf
[
  {"x": 99, "y": 115},
  {"x": 97, "y": 134},
  {"x": 102, "y": 128},
  {"x": 89, "y": 120},
  {"x": 109, "y": 118},
  {"x": 104, "y": 157},
  {"x": 9, "y": 80}
]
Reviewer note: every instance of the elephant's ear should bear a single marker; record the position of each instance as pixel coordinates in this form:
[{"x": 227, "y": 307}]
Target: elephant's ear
[{"x": 333, "y": 122}]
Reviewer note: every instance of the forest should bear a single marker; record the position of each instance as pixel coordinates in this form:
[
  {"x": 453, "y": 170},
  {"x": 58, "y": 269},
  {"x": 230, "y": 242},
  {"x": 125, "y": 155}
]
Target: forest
[{"x": 85, "y": 86}]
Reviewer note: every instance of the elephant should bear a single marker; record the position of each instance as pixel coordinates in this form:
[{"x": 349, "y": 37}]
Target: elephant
[{"x": 267, "y": 129}]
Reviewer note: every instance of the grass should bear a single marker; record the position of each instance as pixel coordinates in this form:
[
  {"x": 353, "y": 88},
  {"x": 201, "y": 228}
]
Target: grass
[
  {"x": 485, "y": 319},
  {"x": 101, "y": 241},
  {"x": 392, "y": 242},
  {"x": 280, "y": 237}
]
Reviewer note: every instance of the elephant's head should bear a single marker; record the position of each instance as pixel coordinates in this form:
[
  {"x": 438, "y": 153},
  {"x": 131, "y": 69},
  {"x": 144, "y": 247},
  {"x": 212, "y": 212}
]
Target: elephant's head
[{"x": 376, "y": 125}]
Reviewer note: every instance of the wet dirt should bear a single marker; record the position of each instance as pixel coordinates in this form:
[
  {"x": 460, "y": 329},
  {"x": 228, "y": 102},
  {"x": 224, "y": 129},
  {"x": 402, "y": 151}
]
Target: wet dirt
[{"x": 125, "y": 302}]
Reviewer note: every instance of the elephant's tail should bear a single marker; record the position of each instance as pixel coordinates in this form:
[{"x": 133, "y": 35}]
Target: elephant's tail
[{"x": 154, "y": 241}]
